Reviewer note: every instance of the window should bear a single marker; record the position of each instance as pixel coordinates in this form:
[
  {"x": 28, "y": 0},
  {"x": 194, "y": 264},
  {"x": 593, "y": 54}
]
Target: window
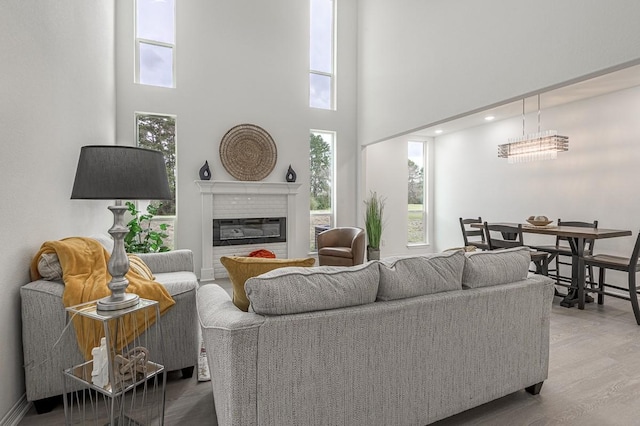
[
  {"x": 416, "y": 193},
  {"x": 321, "y": 54},
  {"x": 158, "y": 132},
  {"x": 155, "y": 42},
  {"x": 322, "y": 149}
]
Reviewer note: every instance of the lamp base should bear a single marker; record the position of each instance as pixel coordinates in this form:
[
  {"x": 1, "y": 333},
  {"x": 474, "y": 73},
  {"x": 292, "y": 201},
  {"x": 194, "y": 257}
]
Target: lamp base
[{"x": 110, "y": 304}]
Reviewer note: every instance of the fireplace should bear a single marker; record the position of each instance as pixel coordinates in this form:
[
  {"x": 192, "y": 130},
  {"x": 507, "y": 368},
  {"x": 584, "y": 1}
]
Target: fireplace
[
  {"x": 237, "y": 199},
  {"x": 229, "y": 232}
]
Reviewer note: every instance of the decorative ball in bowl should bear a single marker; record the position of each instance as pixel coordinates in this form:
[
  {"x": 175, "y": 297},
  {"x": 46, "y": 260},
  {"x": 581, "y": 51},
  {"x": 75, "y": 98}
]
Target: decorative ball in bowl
[{"x": 539, "y": 220}]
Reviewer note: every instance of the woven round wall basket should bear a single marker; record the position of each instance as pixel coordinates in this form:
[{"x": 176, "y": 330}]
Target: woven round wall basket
[{"x": 248, "y": 152}]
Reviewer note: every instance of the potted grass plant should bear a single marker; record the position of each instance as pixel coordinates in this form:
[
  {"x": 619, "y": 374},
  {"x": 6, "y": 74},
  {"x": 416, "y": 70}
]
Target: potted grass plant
[{"x": 373, "y": 224}]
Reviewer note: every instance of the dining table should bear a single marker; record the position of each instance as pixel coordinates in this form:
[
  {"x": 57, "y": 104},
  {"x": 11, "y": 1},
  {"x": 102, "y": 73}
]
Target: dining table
[{"x": 577, "y": 238}]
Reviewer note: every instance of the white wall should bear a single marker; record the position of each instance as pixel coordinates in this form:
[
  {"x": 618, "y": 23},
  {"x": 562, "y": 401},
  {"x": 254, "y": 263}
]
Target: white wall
[
  {"x": 244, "y": 62},
  {"x": 421, "y": 62},
  {"x": 57, "y": 94},
  {"x": 595, "y": 179},
  {"x": 386, "y": 173}
]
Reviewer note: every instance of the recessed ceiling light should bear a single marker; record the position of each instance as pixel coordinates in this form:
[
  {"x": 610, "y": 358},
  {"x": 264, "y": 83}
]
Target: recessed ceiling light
[
  {"x": 437, "y": 132},
  {"x": 489, "y": 118}
]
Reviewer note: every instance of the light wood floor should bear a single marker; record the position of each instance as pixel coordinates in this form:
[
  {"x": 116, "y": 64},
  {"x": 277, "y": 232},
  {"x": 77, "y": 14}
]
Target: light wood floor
[{"x": 594, "y": 379}]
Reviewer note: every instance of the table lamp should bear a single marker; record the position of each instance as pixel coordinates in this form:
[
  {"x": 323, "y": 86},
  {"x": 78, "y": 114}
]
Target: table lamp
[{"x": 112, "y": 172}]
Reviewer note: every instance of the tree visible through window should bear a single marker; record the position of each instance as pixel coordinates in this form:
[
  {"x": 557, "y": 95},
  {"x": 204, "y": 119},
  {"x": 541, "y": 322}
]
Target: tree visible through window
[
  {"x": 416, "y": 193},
  {"x": 321, "y": 146},
  {"x": 158, "y": 132}
]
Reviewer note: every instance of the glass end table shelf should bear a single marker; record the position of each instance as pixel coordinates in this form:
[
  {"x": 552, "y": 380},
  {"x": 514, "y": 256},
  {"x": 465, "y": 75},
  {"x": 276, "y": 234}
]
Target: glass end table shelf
[
  {"x": 138, "y": 390},
  {"x": 82, "y": 373}
]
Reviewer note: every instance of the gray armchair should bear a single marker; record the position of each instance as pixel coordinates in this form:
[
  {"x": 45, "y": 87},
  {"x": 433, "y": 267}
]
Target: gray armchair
[
  {"x": 341, "y": 246},
  {"x": 44, "y": 319}
]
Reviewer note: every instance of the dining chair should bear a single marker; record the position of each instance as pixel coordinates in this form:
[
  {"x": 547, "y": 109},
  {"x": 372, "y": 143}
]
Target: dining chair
[
  {"x": 561, "y": 251},
  {"x": 626, "y": 264},
  {"x": 512, "y": 237},
  {"x": 467, "y": 232}
]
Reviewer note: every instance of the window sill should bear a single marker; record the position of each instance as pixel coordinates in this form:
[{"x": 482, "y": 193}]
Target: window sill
[{"x": 418, "y": 245}]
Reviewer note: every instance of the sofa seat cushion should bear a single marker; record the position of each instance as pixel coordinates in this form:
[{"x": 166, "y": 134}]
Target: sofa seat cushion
[
  {"x": 241, "y": 268},
  {"x": 487, "y": 268},
  {"x": 411, "y": 276},
  {"x": 295, "y": 290},
  {"x": 336, "y": 252},
  {"x": 177, "y": 282}
]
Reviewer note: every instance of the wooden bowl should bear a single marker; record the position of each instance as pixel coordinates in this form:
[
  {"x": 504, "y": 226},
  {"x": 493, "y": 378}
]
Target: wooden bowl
[{"x": 539, "y": 222}]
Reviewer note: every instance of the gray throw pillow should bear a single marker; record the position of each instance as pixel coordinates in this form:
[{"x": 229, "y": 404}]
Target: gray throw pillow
[
  {"x": 49, "y": 267},
  {"x": 403, "y": 277},
  {"x": 293, "y": 290},
  {"x": 487, "y": 268}
]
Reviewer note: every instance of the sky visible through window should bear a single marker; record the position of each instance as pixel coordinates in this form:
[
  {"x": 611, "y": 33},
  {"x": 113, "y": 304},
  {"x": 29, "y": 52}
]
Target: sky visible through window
[
  {"x": 321, "y": 53},
  {"x": 155, "y": 22},
  {"x": 416, "y": 153}
]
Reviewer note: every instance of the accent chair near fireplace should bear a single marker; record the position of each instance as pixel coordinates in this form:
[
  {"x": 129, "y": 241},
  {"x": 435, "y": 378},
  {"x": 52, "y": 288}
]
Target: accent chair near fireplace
[{"x": 342, "y": 246}]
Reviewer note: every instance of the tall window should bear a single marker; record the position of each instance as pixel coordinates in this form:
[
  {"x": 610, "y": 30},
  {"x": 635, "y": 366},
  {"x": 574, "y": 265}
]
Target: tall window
[
  {"x": 416, "y": 193},
  {"x": 321, "y": 54},
  {"x": 158, "y": 132},
  {"x": 155, "y": 42},
  {"x": 322, "y": 149}
]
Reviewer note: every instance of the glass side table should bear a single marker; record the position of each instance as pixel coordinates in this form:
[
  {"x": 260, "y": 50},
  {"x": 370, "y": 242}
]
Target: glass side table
[{"x": 134, "y": 392}]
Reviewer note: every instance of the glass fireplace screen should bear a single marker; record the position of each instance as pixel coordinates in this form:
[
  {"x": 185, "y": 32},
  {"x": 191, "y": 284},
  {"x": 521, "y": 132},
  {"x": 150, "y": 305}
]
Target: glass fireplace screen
[{"x": 228, "y": 232}]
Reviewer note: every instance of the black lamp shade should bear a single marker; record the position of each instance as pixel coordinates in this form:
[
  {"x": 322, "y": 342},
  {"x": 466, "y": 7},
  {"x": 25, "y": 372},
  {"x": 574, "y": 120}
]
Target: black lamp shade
[{"x": 112, "y": 172}]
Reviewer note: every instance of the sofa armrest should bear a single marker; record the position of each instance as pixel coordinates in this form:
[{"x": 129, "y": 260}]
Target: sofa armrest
[
  {"x": 217, "y": 312},
  {"x": 231, "y": 340},
  {"x": 169, "y": 261}
]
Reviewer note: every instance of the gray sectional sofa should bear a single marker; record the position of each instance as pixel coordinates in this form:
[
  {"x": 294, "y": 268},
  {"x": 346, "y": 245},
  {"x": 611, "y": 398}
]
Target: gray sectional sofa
[
  {"x": 44, "y": 319},
  {"x": 404, "y": 341}
]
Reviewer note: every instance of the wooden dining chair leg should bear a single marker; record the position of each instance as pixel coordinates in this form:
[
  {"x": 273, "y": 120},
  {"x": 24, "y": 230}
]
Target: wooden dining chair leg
[
  {"x": 592, "y": 281},
  {"x": 601, "y": 285},
  {"x": 633, "y": 294}
]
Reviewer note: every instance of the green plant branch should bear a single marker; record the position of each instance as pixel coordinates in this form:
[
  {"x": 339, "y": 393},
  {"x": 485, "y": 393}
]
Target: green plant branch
[
  {"x": 141, "y": 238},
  {"x": 374, "y": 218}
]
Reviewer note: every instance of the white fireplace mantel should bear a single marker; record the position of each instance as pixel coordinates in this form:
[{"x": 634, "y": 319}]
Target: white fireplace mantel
[
  {"x": 209, "y": 188},
  {"x": 246, "y": 188}
]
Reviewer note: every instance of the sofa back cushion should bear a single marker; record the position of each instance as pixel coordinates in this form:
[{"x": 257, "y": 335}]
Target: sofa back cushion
[
  {"x": 487, "y": 268},
  {"x": 402, "y": 277},
  {"x": 241, "y": 268},
  {"x": 295, "y": 290}
]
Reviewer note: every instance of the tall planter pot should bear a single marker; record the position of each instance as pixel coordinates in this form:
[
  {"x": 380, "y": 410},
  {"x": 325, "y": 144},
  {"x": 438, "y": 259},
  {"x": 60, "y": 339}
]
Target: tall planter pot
[
  {"x": 373, "y": 253},
  {"x": 373, "y": 223}
]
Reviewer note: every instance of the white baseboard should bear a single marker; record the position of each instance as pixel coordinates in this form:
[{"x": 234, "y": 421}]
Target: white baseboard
[{"x": 17, "y": 412}]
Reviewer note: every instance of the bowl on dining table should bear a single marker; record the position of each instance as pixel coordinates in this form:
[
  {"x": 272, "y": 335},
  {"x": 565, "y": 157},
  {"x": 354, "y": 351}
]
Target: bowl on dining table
[{"x": 539, "y": 220}]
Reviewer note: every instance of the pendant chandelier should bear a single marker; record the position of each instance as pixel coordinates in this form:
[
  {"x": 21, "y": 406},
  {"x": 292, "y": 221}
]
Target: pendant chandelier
[{"x": 535, "y": 146}]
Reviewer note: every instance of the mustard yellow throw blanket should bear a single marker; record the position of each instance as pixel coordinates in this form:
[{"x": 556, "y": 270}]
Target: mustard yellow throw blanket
[{"x": 85, "y": 275}]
